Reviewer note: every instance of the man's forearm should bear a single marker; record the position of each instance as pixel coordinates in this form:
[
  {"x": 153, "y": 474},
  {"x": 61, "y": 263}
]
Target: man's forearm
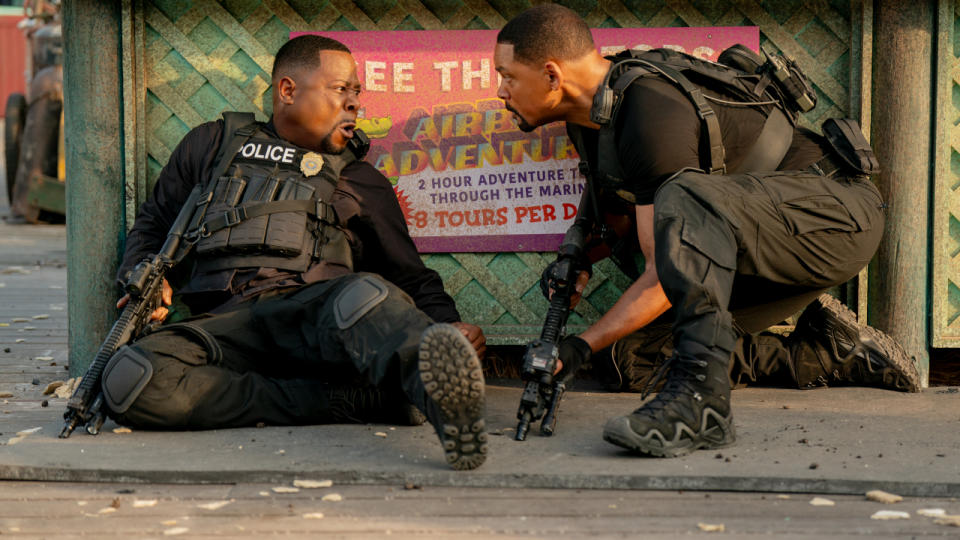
[{"x": 640, "y": 304}]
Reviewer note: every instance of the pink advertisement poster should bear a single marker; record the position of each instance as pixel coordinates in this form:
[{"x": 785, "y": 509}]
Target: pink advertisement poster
[{"x": 467, "y": 179}]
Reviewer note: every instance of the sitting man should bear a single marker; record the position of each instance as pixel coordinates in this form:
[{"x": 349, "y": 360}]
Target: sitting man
[
  {"x": 309, "y": 301},
  {"x": 743, "y": 218}
]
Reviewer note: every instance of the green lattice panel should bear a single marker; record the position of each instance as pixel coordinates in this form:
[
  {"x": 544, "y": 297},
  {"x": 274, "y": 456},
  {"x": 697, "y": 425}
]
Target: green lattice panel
[
  {"x": 203, "y": 57},
  {"x": 946, "y": 215}
]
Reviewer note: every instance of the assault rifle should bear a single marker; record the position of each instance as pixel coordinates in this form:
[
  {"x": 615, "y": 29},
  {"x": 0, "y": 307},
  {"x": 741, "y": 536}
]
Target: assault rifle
[
  {"x": 541, "y": 392},
  {"x": 144, "y": 286}
]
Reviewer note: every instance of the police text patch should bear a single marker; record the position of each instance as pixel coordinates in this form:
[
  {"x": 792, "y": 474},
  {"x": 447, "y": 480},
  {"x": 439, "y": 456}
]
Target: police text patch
[{"x": 268, "y": 150}]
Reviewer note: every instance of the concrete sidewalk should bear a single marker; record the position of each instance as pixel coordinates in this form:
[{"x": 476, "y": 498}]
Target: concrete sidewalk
[{"x": 837, "y": 441}]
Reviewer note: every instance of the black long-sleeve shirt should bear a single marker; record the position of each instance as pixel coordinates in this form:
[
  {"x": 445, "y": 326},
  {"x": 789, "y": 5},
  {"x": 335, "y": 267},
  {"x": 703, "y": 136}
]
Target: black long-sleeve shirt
[{"x": 382, "y": 242}]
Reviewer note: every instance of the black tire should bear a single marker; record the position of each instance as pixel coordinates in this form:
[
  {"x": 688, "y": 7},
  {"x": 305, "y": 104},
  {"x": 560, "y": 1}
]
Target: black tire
[
  {"x": 38, "y": 154},
  {"x": 14, "y": 120}
]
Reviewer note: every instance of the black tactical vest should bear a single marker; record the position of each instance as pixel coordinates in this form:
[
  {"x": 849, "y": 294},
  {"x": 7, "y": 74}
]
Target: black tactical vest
[
  {"x": 268, "y": 204},
  {"x": 739, "y": 73}
]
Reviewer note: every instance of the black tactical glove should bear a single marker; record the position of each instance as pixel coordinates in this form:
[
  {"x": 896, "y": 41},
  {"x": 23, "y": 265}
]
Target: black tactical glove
[
  {"x": 573, "y": 352},
  {"x": 564, "y": 270}
]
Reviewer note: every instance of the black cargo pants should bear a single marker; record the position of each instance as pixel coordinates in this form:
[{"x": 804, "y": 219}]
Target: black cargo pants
[
  {"x": 736, "y": 254},
  {"x": 275, "y": 354}
]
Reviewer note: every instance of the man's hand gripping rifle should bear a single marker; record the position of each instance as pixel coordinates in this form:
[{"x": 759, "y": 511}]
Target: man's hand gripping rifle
[
  {"x": 542, "y": 391},
  {"x": 143, "y": 285}
]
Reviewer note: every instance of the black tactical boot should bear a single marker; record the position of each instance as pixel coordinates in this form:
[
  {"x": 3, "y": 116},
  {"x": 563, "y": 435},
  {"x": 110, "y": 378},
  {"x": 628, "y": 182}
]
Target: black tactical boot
[
  {"x": 453, "y": 378},
  {"x": 828, "y": 346},
  {"x": 692, "y": 411}
]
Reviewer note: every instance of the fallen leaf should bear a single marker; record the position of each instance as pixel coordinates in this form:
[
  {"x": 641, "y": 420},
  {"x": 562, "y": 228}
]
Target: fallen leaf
[
  {"x": 4, "y": 324},
  {"x": 43, "y": 358},
  {"x": 29, "y": 431},
  {"x": 41, "y": 316},
  {"x": 313, "y": 515},
  {"x": 5, "y": 394},
  {"x": 312, "y": 484},
  {"x": 68, "y": 388},
  {"x": 264, "y": 494},
  {"x": 931, "y": 512},
  {"x": 144, "y": 503},
  {"x": 20, "y": 340},
  {"x": 175, "y": 531},
  {"x": 107, "y": 510},
  {"x": 52, "y": 386},
  {"x": 285, "y": 489},
  {"x": 380, "y": 434},
  {"x": 81, "y": 503},
  {"x": 883, "y": 497},
  {"x": 890, "y": 514},
  {"x": 169, "y": 523},
  {"x": 820, "y": 501},
  {"x": 19, "y": 319},
  {"x": 332, "y": 497},
  {"x": 783, "y": 497},
  {"x": 216, "y": 505},
  {"x": 122, "y": 429},
  {"x": 709, "y": 527}
]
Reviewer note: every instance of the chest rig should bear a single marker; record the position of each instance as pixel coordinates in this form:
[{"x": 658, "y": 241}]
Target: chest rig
[
  {"x": 776, "y": 87},
  {"x": 268, "y": 203}
]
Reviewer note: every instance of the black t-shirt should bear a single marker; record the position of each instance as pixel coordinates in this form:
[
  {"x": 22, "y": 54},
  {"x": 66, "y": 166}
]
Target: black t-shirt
[
  {"x": 382, "y": 240},
  {"x": 658, "y": 134}
]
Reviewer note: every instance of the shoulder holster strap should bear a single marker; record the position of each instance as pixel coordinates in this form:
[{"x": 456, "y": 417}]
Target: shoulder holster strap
[
  {"x": 711, "y": 141},
  {"x": 238, "y": 127},
  {"x": 771, "y": 145}
]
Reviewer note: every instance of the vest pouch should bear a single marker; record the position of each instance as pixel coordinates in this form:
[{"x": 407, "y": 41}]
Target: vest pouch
[
  {"x": 248, "y": 236},
  {"x": 280, "y": 233},
  {"x": 226, "y": 193},
  {"x": 846, "y": 138},
  {"x": 286, "y": 230}
]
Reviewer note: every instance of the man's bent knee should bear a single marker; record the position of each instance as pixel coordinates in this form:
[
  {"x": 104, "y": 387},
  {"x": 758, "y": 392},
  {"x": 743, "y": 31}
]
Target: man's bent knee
[
  {"x": 357, "y": 299},
  {"x": 124, "y": 377},
  {"x": 156, "y": 382}
]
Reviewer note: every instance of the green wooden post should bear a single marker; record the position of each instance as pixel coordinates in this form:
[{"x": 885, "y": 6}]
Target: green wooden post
[
  {"x": 93, "y": 110},
  {"x": 901, "y": 128}
]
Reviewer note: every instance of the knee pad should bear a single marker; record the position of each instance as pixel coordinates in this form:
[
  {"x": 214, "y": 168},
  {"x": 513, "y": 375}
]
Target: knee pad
[
  {"x": 357, "y": 299},
  {"x": 124, "y": 377}
]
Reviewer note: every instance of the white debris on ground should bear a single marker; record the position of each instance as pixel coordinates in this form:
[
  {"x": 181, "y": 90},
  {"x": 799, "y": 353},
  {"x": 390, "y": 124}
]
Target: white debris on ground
[
  {"x": 711, "y": 527},
  {"x": 332, "y": 497},
  {"x": 312, "y": 484},
  {"x": 820, "y": 501},
  {"x": 890, "y": 514},
  {"x": 951, "y": 521},
  {"x": 883, "y": 497},
  {"x": 216, "y": 505}
]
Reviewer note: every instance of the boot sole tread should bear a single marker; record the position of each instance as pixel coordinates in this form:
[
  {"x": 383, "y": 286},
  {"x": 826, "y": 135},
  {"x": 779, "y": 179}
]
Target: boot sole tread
[
  {"x": 903, "y": 370},
  {"x": 453, "y": 378}
]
